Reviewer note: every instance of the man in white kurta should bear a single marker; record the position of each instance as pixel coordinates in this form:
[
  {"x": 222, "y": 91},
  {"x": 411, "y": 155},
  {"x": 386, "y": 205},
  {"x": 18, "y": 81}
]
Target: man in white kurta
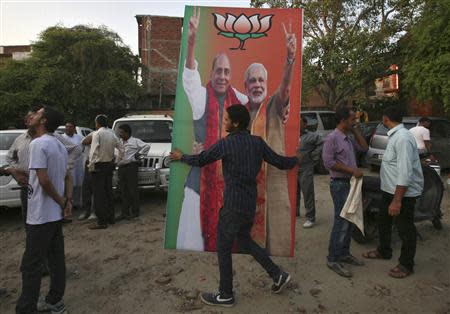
[
  {"x": 201, "y": 98},
  {"x": 78, "y": 168}
]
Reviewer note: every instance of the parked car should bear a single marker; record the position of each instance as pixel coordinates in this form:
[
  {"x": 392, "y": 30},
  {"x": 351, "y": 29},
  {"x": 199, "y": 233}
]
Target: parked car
[
  {"x": 367, "y": 130},
  {"x": 83, "y": 131},
  {"x": 439, "y": 134},
  {"x": 154, "y": 169},
  {"x": 9, "y": 189},
  {"x": 322, "y": 122}
]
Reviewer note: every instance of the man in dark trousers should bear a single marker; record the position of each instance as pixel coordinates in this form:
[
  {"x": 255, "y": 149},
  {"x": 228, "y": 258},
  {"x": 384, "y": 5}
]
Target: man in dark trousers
[
  {"x": 401, "y": 182},
  {"x": 101, "y": 165},
  {"x": 50, "y": 195},
  {"x": 242, "y": 155},
  {"x": 128, "y": 171}
]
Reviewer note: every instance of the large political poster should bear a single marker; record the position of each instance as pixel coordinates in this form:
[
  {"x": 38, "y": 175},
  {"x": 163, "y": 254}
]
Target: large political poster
[{"x": 250, "y": 57}]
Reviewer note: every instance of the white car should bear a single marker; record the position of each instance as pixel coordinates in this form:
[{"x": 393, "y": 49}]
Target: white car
[
  {"x": 9, "y": 189},
  {"x": 83, "y": 131},
  {"x": 156, "y": 130}
]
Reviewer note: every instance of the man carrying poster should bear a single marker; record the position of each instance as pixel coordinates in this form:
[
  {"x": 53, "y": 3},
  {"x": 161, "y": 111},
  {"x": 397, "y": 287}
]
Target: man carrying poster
[
  {"x": 204, "y": 91},
  {"x": 242, "y": 155},
  {"x": 267, "y": 121},
  {"x": 199, "y": 213}
]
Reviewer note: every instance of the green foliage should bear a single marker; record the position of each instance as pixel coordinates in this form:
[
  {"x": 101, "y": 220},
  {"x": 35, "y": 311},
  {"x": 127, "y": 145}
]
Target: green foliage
[
  {"x": 82, "y": 71},
  {"x": 348, "y": 43},
  {"x": 426, "y": 53}
]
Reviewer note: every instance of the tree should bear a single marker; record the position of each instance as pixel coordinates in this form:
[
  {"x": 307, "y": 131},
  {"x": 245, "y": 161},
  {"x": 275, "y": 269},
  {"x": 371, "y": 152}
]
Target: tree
[
  {"x": 81, "y": 71},
  {"x": 348, "y": 43},
  {"x": 425, "y": 51}
]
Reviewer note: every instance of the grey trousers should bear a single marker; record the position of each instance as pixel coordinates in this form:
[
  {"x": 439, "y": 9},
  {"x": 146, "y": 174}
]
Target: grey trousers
[{"x": 306, "y": 184}]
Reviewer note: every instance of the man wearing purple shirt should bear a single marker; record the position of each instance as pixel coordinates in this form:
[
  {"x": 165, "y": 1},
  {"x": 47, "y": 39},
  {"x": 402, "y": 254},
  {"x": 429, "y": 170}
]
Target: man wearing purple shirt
[{"x": 339, "y": 157}]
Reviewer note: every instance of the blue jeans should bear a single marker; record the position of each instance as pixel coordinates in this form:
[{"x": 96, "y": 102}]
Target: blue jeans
[{"x": 342, "y": 229}]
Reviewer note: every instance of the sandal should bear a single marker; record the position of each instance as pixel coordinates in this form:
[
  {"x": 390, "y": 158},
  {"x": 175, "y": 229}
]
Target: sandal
[
  {"x": 400, "y": 272},
  {"x": 374, "y": 254}
]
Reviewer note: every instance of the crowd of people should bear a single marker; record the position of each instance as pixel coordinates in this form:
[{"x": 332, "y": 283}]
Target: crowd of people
[
  {"x": 61, "y": 172},
  {"x": 46, "y": 165}
]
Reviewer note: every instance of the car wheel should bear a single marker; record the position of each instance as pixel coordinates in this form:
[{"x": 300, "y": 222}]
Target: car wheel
[
  {"x": 320, "y": 167},
  {"x": 374, "y": 168},
  {"x": 370, "y": 230},
  {"x": 437, "y": 224}
]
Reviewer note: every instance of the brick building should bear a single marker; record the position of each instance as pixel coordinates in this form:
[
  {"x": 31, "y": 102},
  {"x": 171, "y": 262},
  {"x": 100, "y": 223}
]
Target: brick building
[
  {"x": 8, "y": 53},
  {"x": 159, "y": 50}
]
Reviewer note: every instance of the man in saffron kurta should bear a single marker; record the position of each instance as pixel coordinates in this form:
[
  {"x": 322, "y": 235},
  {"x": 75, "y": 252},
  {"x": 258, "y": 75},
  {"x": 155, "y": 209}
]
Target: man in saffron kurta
[
  {"x": 203, "y": 189},
  {"x": 268, "y": 117}
]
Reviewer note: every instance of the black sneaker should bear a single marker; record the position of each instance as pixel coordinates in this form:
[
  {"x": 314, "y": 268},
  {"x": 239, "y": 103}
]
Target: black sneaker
[
  {"x": 281, "y": 282},
  {"x": 57, "y": 308},
  {"x": 219, "y": 299}
]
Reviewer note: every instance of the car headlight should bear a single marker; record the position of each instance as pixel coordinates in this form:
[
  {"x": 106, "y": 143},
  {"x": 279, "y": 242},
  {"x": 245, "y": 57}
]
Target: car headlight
[{"x": 166, "y": 162}]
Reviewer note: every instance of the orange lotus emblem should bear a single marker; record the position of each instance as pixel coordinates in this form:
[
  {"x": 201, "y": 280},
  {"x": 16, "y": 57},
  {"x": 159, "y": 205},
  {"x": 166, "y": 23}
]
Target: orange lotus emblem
[{"x": 242, "y": 27}]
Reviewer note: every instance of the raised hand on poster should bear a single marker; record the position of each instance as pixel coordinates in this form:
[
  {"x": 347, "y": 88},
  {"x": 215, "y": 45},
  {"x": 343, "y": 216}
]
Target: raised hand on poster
[
  {"x": 285, "y": 85},
  {"x": 193, "y": 25},
  {"x": 291, "y": 42},
  {"x": 194, "y": 21}
]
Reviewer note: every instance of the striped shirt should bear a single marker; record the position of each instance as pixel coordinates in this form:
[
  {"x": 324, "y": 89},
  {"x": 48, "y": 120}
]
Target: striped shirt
[{"x": 242, "y": 155}]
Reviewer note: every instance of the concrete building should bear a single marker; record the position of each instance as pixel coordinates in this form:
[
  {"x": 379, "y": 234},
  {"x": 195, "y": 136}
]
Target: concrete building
[{"x": 159, "y": 50}]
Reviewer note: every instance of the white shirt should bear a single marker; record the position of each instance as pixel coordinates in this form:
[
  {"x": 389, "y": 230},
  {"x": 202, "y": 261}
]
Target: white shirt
[
  {"x": 401, "y": 163},
  {"x": 19, "y": 153},
  {"x": 131, "y": 147},
  {"x": 104, "y": 141},
  {"x": 78, "y": 167},
  {"x": 46, "y": 152},
  {"x": 421, "y": 134},
  {"x": 196, "y": 93}
]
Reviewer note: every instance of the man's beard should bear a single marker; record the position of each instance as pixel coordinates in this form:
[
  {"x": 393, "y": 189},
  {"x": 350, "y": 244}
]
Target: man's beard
[{"x": 257, "y": 99}]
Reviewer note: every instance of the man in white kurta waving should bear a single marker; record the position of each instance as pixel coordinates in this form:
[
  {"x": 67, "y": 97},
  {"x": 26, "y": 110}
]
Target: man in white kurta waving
[{"x": 203, "y": 188}]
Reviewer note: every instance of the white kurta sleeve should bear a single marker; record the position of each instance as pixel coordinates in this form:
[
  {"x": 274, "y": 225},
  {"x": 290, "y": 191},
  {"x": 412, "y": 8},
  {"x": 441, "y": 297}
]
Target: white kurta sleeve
[{"x": 195, "y": 92}]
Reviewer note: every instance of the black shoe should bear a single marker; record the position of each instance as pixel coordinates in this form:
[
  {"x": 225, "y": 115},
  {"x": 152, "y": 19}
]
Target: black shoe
[
  {"x": 281, "y": 282},
  {"x": 97, "y": 226},
  {"x": 218, "y": 299}
]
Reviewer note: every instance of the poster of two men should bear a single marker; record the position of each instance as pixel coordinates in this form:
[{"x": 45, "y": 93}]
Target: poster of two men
[{"x": 232, "y": 56}]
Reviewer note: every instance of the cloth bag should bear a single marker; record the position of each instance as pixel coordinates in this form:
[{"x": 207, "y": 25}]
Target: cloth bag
[{"x": 353, "y": 207}]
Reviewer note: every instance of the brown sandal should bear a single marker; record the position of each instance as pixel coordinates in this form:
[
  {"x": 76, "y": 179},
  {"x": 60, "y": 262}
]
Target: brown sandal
[
  {"x": 374, "y": 254},
  {"x": 400, "y": 272}
]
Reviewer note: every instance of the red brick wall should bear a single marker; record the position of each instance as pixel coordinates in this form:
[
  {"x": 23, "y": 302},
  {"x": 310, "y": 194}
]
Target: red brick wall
[
  {"x": 11, "y": 49},
  {"x": 159, "y": 49}
]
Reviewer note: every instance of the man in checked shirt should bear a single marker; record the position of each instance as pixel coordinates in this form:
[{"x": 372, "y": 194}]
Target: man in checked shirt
[
  {"x": 241, "y": 155},
  {"x": 128, "y": 171}
]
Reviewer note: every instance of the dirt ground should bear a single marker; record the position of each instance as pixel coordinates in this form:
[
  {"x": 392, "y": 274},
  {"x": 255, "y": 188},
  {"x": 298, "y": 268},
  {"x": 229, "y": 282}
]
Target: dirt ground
[{"x": 124, "y": 269}]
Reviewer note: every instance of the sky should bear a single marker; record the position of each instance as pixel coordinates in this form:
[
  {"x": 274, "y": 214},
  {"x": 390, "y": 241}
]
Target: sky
[{"x": 21, "y": 21}]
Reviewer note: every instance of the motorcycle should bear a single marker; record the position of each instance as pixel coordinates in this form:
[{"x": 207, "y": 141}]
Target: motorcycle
[{"x": 428, "y": 205}]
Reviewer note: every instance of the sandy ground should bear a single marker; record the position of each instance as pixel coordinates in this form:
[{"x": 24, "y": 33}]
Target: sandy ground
[{"x": 124, "y": 269}]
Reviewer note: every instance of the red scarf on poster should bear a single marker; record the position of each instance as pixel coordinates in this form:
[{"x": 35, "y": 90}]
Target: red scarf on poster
[{"x": 211, "y": 178}]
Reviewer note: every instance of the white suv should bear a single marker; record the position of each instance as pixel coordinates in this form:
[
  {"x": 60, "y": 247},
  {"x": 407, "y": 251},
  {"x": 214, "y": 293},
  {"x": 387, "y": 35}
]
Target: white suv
[{"x": 156, "y": 130}]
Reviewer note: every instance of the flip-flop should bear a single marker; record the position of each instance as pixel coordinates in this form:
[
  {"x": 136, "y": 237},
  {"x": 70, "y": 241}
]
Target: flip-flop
[
  {"x": 374, "y": 254},
  {"x": 400, "y": 272}
]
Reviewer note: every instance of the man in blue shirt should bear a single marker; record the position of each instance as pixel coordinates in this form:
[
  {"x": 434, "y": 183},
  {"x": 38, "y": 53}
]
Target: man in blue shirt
[
  {"x": 401, "y": 182},
  {"x": 242, "y": 155}
]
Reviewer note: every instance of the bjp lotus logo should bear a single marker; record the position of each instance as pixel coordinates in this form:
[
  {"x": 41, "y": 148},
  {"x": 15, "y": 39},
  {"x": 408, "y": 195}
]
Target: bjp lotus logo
[{"x": 242, "y": 27}]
